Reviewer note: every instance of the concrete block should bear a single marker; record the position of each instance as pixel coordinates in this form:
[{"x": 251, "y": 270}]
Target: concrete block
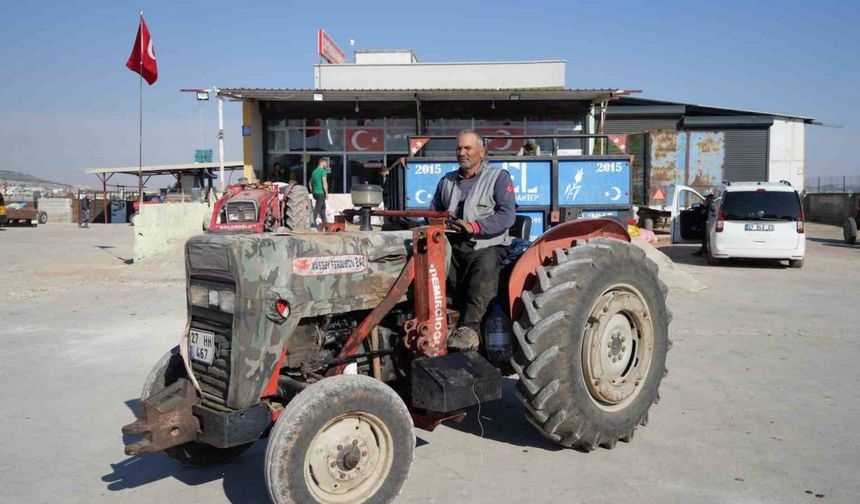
[
  {"x": 58, "y": 209},
  {"x": 157, "y": 228}
]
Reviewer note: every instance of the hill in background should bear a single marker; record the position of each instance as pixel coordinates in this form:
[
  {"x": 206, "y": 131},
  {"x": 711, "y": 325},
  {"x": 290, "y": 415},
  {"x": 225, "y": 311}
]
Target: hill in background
[{"x": 13, "y": 177}]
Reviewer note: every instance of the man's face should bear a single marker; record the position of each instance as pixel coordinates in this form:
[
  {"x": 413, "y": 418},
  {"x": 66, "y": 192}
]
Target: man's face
[
  {"x": 324, "y": 163},
  {"x": 277, "y": 167},
  {"x": 470, "y": 152}
]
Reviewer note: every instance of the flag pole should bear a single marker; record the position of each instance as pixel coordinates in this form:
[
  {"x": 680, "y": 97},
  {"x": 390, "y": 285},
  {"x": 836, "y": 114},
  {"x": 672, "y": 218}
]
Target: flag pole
[{"x": 140, "y": 124}]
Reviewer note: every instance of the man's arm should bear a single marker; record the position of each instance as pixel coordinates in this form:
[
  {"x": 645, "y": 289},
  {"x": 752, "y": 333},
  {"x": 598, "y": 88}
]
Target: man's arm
[
  {"x": 506, "y": 206},
  {"x": 325, "y": 186},
  {"x": 436, "y": 202}
]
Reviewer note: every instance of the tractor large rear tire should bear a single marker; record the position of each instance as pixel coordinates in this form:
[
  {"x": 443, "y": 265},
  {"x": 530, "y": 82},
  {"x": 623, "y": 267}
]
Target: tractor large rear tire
[
  {"x": 165, "y": 372},
  {"x": 849, "y": 230},
  {"x": 346, "y": 439},
  {"x": 592, "y": 342},
  {"x": 297, "y": 210}
]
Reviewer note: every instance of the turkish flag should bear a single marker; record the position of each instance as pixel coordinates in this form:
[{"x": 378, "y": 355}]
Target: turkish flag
[
  {"x": 142, "y": 59},
  {"x": 502, "y": 144},
  {"x": 365, "y": 140},
  {"x": 620, "y": 141}
]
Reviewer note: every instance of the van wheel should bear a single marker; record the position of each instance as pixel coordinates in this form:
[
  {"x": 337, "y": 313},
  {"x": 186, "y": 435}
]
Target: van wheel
[
  {"x": 43, "y": 217},
  {"x": 849, "y": 230},
  {"x": 795, "y": 263}
]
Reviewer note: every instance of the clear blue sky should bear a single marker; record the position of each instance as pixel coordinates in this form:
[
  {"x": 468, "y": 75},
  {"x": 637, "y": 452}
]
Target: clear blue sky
[{"x": 68, "y": 102}]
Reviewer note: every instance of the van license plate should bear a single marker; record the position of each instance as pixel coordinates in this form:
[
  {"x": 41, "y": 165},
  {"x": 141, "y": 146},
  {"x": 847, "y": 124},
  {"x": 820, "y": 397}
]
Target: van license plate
[
  {"x": 201, "y": 346},
  {"x": 758, "y": 227}
]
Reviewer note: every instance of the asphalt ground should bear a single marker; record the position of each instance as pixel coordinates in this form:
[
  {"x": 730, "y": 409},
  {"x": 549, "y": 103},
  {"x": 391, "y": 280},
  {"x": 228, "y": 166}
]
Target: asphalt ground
[{"x": 761, "y": 403}]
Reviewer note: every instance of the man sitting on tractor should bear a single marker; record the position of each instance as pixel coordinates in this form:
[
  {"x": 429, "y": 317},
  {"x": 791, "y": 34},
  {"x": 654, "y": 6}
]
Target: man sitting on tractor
[{"x": 482, "y": 201}]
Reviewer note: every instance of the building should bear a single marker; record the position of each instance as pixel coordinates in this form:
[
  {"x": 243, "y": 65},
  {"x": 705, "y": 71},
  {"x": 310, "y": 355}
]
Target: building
[{"x": 361, "y": 114}]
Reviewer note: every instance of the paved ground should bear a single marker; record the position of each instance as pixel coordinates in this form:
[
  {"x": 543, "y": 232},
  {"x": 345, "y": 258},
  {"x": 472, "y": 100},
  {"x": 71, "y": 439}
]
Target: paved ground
[{"x": 761, "y": 403}]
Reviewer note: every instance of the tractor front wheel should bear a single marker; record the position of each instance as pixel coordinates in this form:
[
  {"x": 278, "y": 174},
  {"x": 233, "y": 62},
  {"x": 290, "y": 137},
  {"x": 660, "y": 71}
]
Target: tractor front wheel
[
  {"x": 592, "y": 342},
  {"x": 166, "y": 371},
  {"x": 346, "y": 439}
]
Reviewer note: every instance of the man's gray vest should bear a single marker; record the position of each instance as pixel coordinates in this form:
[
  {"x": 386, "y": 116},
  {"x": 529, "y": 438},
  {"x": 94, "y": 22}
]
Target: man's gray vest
[{"x": 479, "y": 202}]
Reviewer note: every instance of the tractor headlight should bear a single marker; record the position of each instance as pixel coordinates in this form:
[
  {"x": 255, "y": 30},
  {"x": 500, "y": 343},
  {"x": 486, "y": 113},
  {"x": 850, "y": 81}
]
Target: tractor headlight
[
  {"x": 226, "y": 301},
  {"x": 199, "y": 296},
  {"x": 206, "y": 298}
]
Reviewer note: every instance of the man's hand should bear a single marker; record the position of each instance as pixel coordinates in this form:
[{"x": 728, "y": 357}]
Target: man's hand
[{"x": 464, "y": 226}]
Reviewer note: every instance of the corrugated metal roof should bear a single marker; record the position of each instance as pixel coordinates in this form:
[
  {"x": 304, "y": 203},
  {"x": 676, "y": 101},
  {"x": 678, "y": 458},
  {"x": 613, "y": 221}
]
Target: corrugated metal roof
[
  {"x": 591, "y": 95},
  {"x": 632, "y": 99},
  {"x": 164, "y": 169}
]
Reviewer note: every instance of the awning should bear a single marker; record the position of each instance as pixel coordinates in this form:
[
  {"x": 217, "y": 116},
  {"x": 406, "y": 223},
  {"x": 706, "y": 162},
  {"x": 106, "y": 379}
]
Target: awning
[{"x": 301, "y": 95}]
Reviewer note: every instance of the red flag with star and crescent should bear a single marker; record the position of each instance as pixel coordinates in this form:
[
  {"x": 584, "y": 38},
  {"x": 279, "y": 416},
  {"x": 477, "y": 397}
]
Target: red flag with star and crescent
[
  {"x": 365, "y": 139},
  {"x": 142, "y": 59}
]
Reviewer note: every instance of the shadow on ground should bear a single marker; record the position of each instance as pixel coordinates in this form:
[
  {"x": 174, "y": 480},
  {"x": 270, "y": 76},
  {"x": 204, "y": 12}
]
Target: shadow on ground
[
  {"x": 833, "y": 242},
  {"x": 683, "y": 254},
  {"x": 504, "y": 421},
  {"x": 243, "y": 478},
  {"x": 105, "y": 248}
]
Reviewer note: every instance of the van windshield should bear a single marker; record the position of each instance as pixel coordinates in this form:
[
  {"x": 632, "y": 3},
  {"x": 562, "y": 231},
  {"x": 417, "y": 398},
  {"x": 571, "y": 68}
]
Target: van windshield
[{"x": 761, "y": 205}]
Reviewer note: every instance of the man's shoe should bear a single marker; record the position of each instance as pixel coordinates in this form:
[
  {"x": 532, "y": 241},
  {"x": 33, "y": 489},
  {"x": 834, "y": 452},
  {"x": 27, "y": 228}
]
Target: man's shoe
[{"x": 464, "y": 339}]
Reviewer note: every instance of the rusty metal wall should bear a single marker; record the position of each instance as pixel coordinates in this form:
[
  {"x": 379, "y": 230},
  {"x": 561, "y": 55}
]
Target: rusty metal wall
[{"x": 691, "y": 158}]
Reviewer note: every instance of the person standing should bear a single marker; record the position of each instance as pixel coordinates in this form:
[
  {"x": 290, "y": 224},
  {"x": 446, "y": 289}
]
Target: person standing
[
  {"x": 277, "y": 174},
  {"x": 318, "y": 186},
  {"x": 84, "y": 220}
]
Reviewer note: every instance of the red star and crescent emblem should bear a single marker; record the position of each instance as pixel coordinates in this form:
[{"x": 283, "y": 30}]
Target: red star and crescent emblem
[{"x": 365, "y": 140}]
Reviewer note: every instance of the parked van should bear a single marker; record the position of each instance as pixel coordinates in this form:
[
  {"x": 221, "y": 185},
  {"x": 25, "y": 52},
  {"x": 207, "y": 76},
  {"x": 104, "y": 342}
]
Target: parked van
[{"x": 757, "y": 220}]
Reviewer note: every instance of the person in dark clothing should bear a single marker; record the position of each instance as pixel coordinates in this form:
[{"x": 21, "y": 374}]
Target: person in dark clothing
[
  {"x": 482, "y": 201},
  {"x": 706, "y": 208},
  {"x": 277, "y": 174},
  {"x": 85, "y": 211}
]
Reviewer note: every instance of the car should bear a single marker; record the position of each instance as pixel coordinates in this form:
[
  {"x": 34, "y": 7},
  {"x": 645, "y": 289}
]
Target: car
[{"x": 750, "y": 220}]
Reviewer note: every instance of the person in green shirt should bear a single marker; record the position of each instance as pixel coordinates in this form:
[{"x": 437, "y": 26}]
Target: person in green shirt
[{"x": 318, "y": 187}]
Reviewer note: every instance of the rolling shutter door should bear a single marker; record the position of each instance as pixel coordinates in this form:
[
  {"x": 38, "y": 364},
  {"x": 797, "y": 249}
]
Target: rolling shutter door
[{"x": 746, "y": 155}]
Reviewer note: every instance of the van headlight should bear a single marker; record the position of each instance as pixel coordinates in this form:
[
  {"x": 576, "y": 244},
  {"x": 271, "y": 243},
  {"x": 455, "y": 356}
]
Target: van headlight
[{"x": 210, "y": 298}]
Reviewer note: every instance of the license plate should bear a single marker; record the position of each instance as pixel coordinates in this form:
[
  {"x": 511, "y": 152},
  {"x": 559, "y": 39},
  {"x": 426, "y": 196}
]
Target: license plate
[
  {"x": 758, "y": 227},
  {"x": 201, "y": 346}
]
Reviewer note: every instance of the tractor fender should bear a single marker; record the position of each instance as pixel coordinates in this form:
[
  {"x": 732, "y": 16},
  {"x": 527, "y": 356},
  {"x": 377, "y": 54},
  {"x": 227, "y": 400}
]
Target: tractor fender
[{"x": 563, "y": 236}]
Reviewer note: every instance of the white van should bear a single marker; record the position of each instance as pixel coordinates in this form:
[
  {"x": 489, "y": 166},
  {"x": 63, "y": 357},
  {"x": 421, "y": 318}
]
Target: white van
[{"x": 757, "y": 220}]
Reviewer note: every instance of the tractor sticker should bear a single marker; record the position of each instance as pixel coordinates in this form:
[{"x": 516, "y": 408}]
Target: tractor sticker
[{"x": 329, "y": 265}]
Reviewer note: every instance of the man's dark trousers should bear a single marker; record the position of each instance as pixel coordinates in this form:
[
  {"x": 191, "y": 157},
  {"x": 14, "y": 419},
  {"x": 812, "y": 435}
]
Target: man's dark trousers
[
  {"x": 475, "y": 277},
  {"x": 319, "y": 208}
]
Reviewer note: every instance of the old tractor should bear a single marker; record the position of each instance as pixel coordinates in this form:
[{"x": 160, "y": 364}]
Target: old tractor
[
  {"x": 261, "y": 208},
  {"x": 333, "y": 346}
]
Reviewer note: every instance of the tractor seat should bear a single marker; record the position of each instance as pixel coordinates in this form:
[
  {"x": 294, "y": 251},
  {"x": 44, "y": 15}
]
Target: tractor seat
[{"x": 522, "y": 227}]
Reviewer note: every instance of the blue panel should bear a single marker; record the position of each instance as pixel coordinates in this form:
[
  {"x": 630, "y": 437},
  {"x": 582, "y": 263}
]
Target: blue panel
[
  {"x": 537, "y": 224},
  {"x": 589, "y": 182},
  {"x": 596, "y": 214},
  {"x": 421, "y": 180},
  {"x": 531, "y": 181}
]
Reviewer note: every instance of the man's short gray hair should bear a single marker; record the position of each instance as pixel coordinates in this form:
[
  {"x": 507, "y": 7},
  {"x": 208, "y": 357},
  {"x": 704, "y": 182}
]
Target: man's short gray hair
[{"x": 472, "y": 132}]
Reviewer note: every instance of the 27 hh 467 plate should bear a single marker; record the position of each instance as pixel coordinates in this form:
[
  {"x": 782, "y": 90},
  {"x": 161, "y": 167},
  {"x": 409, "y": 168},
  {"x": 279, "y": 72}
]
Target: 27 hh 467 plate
[{"x": 201, "y": 346}]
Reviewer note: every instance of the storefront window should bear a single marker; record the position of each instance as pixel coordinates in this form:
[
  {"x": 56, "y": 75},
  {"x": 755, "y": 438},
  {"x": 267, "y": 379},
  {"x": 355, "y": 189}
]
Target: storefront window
[
  {"x": 364, "y": 169},
  {"x": 324, "y": 139}
]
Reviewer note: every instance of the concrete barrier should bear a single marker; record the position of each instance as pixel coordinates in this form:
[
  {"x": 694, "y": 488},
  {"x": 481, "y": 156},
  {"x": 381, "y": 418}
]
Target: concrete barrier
[
  {"x": 157, "y": 228},
  {"x": 830, "y": 208},
  {"x": 58, "y": 209}
]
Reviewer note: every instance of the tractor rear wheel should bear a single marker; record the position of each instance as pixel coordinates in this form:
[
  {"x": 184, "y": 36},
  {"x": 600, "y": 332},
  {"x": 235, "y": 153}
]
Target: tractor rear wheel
[
  {"x": 165, "y": 372},
  {"x": 849, "y": 230},
  {"x": 346, "y": 439},
  {"x": 592, "y": 342},
  {"x": 297, "y": 211}
]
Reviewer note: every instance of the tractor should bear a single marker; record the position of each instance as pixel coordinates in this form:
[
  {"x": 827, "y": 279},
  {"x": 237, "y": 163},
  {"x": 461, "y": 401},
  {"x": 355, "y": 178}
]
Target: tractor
[
  {"x": 333, "y": 346},
  {"x": 260, "y": 208}
]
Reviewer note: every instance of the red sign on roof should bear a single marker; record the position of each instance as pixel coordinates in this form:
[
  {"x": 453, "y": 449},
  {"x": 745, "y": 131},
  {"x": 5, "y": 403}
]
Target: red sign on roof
[{"x": 328, "y": 49}]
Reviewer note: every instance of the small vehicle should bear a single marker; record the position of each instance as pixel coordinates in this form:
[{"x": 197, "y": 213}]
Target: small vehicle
[
  {"x": 25, "y": 209},
  {"x": 751, "y": 220},
  {"x": 2, "y": 210},
  {"x": 261, "y": 208}
]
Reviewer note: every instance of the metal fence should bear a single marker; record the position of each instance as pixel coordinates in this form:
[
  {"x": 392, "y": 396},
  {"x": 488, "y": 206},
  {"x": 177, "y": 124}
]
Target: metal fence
[{"x": 833, "y": 184}]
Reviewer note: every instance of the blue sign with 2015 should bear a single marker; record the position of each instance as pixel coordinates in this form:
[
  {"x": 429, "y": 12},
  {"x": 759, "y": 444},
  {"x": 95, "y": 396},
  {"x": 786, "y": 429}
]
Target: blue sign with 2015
[
  {"x": 589, "y": 182},
  {"x": 531, "y": 181}
]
